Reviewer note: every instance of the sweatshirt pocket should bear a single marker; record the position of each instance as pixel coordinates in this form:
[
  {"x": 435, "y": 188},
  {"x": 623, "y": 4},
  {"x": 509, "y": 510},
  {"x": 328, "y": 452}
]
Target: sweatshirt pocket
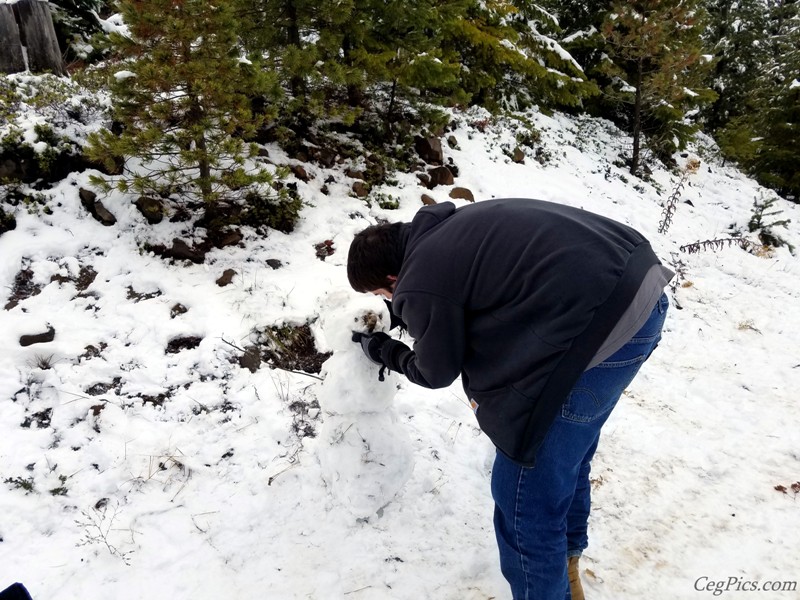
[{"x": 503, "y": 415}]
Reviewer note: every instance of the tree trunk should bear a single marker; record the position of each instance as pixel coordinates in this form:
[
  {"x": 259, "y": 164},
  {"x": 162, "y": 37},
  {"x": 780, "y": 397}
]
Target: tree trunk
[
  {"x": 11, "y": 57},
  {"x": 390, "y": 110},
  {"x": 637, "y": 120},
  {"x": 204, "y": 165},
  {"x": 38, "y": 36},
  {"x": 297, "y": 84}
]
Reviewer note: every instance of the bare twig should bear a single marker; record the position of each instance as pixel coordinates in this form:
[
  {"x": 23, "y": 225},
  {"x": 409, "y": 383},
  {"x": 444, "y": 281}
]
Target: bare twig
[{"x": 718, "y": 244}]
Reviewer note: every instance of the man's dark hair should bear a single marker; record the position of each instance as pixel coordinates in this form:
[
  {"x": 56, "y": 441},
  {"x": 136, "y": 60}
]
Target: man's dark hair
[{"x": 376, "y": 253}]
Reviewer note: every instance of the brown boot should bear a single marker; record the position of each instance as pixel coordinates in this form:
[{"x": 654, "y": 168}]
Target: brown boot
[{"x": 573, "y": 574}]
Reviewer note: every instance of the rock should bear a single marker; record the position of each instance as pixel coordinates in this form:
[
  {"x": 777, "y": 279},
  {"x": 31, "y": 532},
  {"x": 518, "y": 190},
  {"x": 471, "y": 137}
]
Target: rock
[
  {"x": 440, "y": 176},
  {"x": 300, "y": 172},
  {"x": 251, "y": 359},
  {"x": 228, "y": 237},
  {"x": 151, "y": 208},
  {"x": 102, "y": 214},
  {"x": 518, "y": 156},
  {"x": 427, "y": 200},
  {"x": 361, "y": 189},
  {"x": 301, "y": 154},
  {"x": 452, "y": 141},
  {"x": 452, "y": 166},
  {"x": 375, "y": 169},
  {"x": 424, "y": 179},
  {"x": 354, "y": 174},
  {"x": 182, "y": 215},
  {"x": 182, "y": 251},
  {"x": 274, "y": 263},
  {"x": 326, "y": 157},
  {"x": 226, "y": 278},
  {"x": 86, "y": 196},
  {"x": 429, "y": 150},
  {"x": 7, "y": 221},
  {"x": 38, "y": 338},
  {"x": 96, "y": 208},
  {"x": 178, "y": 309},
  {"x": 462, "y": 193}
]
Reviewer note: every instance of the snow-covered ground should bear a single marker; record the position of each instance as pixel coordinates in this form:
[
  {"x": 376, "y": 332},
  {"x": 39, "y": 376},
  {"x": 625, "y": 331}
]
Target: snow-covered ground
[{"x": 128, "y": 472}]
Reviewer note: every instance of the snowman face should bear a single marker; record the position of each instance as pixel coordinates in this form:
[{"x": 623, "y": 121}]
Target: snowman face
[{"x": 345, "y": 312}]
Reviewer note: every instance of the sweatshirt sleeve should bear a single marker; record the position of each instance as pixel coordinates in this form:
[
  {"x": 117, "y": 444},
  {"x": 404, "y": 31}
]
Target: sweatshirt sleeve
[{"x": 437, "y": 325}]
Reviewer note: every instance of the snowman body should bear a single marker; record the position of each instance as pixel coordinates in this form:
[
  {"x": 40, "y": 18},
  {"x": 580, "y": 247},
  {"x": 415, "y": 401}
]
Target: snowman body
[{"x": 365, "y": 451}]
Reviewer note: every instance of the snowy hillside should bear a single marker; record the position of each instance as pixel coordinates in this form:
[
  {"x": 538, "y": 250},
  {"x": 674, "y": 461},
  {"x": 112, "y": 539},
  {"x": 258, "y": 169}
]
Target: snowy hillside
[{"x": 140, "y": 460}]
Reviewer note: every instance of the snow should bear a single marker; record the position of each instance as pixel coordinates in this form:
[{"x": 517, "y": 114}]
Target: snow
[
  {"x": 795, "y": 84},
  {"x": 213, "y": 493}
]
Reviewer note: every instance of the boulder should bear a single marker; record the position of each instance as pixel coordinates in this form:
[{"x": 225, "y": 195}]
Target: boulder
[
  {"x": 354, "y": 174},
  {"x": 361, "y": 189},
  {"x": 227, "y": 237},
  {"x": 326, "y": 157},
  {"x": 151, "y": 208},
  {"x": 96, "y": 208},
  {"x": 462, "y": 193},
  {"x": 440, "y": 176},
  {"x": 226, "y": 278},
  {"x": 427, "y": 200},
  {"x": 180, "y": 250},
  {"x": 38, "y": 338},
  {"x": 300, "y": 172},
  {"x": 429, "y": 150},
  {"x": 251, "y": 359}
]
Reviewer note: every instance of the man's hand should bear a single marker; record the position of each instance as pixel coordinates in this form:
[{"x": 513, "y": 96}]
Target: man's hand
[
  {"x": 371, "y": 344},
  {"x": 383, "y": 350}
]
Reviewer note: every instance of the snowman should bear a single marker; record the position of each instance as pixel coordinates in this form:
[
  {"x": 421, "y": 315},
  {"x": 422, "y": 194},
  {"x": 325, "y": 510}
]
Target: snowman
[{"x": 364, "y": 451}]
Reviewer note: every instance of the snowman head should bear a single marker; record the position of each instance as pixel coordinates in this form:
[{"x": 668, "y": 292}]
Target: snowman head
[{"x": 343, "y": 312}]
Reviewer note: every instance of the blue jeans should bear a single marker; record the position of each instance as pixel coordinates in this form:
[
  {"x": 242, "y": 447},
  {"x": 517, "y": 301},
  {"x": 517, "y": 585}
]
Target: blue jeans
[{"x": 541, "y": 513}]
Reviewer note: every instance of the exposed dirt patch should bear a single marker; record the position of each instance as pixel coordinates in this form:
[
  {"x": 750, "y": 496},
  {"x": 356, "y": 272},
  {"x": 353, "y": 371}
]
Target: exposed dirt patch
[
  {"x": 24, "y": 288},
  {"x": 291, "y": 347},
  {"x": 179, "y": 344},
  {"x": 139, "y": 296},
  {"x": 98, "y": 389},
  {"x": 41, "y": 419}
]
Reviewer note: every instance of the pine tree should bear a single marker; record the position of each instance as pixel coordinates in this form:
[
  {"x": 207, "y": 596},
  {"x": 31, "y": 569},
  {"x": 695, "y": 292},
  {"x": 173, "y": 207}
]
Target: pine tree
[
  {"x": 555, "y": 78},
  {"x": 509, "y": 57},
  {"x": 778, "y": 99},
  {"x": 183, "y": 97},
  {"x": 76, "y": 23},
  {"x": 736, "y": 36},
  {"x": 396, "y": 45},
  {"x": 332, "y": 54},
  {"x": 655, "y": 67}
]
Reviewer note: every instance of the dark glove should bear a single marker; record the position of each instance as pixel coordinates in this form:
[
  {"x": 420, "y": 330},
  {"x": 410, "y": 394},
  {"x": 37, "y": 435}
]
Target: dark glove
[
  {"x": 371, "y": 344},
  {"x": 383, "y": 350}
]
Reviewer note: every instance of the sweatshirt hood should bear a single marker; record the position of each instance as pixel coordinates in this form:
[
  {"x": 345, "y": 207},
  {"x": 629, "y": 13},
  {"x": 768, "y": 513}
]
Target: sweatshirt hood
[{"x": 427, "y": 218}]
